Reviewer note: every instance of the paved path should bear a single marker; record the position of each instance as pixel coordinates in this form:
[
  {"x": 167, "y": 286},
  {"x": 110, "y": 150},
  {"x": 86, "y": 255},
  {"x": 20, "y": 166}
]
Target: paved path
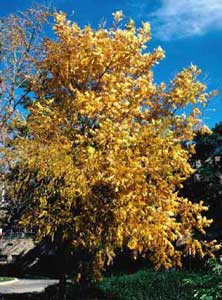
[{"x": 26, "y": 286}]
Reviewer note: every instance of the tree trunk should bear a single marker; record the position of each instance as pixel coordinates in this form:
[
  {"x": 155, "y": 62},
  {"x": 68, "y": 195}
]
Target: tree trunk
[{"x": 62, "y": 287}]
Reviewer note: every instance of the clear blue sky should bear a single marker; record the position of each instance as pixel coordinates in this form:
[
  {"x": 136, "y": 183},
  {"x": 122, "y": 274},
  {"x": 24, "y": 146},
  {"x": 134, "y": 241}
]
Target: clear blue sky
[{"x": 190, "y": 31}]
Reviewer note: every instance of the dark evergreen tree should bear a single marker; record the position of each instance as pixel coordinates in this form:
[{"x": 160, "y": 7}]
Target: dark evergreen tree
[{"x": 206, "y": 183}]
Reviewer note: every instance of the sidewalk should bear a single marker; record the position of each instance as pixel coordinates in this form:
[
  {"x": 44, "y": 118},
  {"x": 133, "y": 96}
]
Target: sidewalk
[{"x": 21, "y": 286}]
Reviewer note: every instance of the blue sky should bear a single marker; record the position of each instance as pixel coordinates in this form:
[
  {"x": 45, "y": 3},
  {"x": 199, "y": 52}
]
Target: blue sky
[{"x": 190, "y": 31}]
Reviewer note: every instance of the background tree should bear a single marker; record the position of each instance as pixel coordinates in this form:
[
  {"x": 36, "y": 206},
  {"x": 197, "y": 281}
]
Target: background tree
[
  {"x": 20, "y": 50},
  {"x": 206, "y": 182},
  {"x": 105, "y": 145},
  {"x": 20, "y": 46}
]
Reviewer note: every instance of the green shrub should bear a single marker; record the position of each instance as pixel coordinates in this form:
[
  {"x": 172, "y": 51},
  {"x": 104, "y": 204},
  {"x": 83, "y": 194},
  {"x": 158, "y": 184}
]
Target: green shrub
[
  {"x": 207, "y": 286},
  {"x": 148, "y": 285}
]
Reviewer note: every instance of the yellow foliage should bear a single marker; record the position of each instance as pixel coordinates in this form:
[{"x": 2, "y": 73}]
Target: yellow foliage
[{"x": 110, "y": 144}]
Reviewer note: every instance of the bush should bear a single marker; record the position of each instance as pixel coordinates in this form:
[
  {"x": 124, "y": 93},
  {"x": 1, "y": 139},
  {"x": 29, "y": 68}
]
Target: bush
[
  {"x": 208, "y": 286},
  {"x": 149, "y": 285}
]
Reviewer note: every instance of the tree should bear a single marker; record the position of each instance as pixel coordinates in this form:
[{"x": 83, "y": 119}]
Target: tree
[
  {"x": 205, "y": 183},
  {"x": 20, "y": 49},
  {"x": 20, "y": 45},
  {"x": 104, "y": 143}
]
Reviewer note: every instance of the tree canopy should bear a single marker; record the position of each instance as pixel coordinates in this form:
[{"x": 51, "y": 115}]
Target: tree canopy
[{"x": 102, "y": 146}]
